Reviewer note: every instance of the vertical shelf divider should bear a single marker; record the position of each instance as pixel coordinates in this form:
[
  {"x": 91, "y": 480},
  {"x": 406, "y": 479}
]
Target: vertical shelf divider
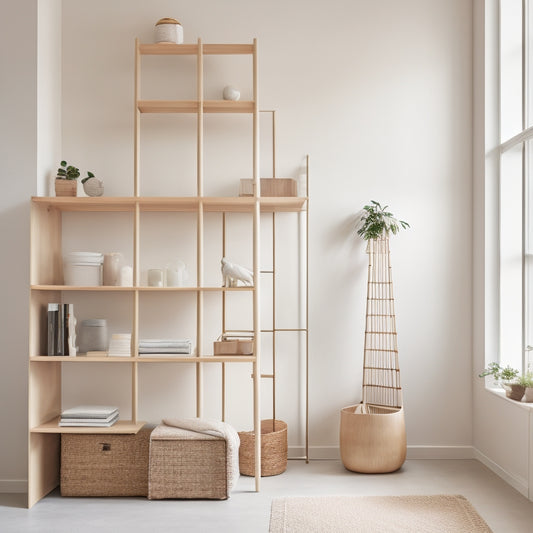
[
  {"x": 136, "y": 229},
  {"x": 137, "y": 121},
  {"x": 200, "y": 227},
  {"x": 136, "y": 310},
  {"x": 257, "y": 269},
  {"x": 223, "y": 320}
]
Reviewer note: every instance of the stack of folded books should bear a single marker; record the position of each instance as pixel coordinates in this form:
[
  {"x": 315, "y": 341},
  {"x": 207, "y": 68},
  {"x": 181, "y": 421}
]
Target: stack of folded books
[
  {"x": 152, "y": 347},
  {"x": 100, "y": 416},
  {"x": 120, "y": 345}
]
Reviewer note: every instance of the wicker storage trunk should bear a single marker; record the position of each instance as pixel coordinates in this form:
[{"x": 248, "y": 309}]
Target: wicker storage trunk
[
  {"x": 105, "y": 464},
  {"x": 187, "y": 465},
  {"x": 273, "y": 449}
]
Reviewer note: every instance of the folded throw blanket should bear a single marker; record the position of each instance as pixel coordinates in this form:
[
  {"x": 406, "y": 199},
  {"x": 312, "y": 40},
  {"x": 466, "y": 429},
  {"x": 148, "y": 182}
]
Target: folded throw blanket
[{"x": 216, "y": 429}]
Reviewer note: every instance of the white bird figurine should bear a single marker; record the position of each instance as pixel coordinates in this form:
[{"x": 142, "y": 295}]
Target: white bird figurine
[{"x": 232, "y": 273}]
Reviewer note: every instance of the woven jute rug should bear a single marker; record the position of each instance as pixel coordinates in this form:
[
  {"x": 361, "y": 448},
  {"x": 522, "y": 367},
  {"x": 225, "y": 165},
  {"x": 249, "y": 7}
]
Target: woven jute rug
[{"x": 375, "y": 514}]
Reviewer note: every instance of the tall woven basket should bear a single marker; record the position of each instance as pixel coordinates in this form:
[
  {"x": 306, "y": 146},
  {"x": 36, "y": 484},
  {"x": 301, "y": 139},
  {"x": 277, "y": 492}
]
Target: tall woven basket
[{"x": 273, "y": 449}]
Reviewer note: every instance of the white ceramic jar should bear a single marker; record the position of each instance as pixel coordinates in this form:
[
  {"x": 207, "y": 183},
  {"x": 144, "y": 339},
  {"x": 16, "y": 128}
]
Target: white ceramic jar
[
  {"x": 93, "y": 335},
  {"x": 168, "y": 30},
  {"x": 83, "y": 269}
]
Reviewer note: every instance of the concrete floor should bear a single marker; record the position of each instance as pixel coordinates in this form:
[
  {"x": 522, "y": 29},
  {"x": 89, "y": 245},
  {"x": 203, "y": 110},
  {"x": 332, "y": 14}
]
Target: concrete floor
[{"x": 504, "y": 509}]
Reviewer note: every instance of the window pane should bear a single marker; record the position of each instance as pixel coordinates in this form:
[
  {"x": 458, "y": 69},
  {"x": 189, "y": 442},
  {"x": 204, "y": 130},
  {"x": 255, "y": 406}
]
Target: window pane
[
  {"x": 528, "y": 259},
  {"x": 529, "y": 69},
  {"x": 511, "y": 257},
  {"x": 511, "y": 68}
]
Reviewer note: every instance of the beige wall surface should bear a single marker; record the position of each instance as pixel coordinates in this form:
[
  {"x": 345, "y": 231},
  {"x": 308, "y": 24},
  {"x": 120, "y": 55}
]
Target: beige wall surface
[{"x": 380, "y": 95}]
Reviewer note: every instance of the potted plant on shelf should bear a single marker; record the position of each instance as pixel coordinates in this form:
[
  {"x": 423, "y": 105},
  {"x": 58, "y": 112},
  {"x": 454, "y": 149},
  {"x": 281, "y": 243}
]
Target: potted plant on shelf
[
  {"x": 66, "y": 184},
  {"x": 507, "y": 378}
]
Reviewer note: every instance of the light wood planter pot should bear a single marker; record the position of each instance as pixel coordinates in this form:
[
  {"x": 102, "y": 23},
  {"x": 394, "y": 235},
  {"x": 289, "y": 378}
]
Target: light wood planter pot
[
  {"x": 66, "y": 187},
  {"x": 372, "y": 439}
]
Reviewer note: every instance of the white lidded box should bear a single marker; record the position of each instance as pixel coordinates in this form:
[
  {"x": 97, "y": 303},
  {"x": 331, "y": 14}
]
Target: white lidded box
[
  {"x": 83, "y": 269},
  {"x": 168, "y": 30}
]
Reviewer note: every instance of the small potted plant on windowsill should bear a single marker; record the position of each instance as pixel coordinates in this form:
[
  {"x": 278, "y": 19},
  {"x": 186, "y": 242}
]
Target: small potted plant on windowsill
[
  {"x": 507, "y": 378},
  {"x": 527, "y": 381},
  {"x": 66, "y": 184}
]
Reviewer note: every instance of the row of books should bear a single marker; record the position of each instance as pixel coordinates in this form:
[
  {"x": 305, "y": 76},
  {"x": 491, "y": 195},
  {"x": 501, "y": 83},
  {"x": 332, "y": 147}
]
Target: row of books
[
  {"x": 61, "y": 325},
  {"x": 99, "y": 416}
]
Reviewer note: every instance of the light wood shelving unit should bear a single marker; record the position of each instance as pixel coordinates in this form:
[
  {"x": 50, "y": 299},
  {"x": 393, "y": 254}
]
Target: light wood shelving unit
[{"x": 46, "y": 274}]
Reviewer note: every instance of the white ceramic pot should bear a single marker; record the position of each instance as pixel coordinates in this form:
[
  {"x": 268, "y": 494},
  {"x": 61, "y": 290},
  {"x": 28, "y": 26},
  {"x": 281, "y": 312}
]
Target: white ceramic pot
[
  {"x": 83, "y": 269},
  {"x": 168, "y": 30},
  {"x": 93, "y": 187},
  {"x": 231, "y": 93}
]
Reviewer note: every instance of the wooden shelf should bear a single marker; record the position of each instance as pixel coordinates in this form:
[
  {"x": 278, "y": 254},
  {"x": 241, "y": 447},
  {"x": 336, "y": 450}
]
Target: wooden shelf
[
  {"x": 146, "y": 359},
  {"x": 110, "y": 288},
  {"x": 194, "y": 359},
  {"x": 193, "y": 106},
  {"x": 102, "y": 288},
  {"x": 220, "y": 204},
  {"x": 192, "y": 49},
  {"x": 121, "y": 426}
]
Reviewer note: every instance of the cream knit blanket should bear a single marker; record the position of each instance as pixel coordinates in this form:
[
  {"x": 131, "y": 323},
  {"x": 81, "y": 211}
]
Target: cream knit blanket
[{"x": 215, "y": 428}]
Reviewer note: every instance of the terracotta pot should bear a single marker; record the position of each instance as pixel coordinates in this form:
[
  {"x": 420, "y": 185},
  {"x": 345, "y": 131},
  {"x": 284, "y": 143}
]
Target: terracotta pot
[
  {"x": 66, "y": 187},
  {"x": 514, "y": 391}
]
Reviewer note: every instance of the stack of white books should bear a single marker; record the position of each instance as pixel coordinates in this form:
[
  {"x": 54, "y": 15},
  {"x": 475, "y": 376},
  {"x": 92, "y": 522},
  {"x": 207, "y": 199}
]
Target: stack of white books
[
  {"x": 164, "y": 346},
  {"x": 120, "y": 345},
  {"x": 101, "y": 416}
]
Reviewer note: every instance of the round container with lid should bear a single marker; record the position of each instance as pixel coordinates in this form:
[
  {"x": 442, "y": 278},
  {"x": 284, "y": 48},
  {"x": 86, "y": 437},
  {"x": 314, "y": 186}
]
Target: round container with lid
[
  {"x": 168, "y": 30},
  {"x": 83, "y": 269},
  {"x": 93, "y": 335}
]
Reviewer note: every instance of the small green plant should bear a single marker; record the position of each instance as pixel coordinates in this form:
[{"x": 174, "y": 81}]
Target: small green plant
[
  {"x": 526, "y": 380},
  {"x": 67, "y": 172},
  {"x": 500, "y": 373},
  {"x": 377, "y": 221},
  {"x": 89, "y": 176}
]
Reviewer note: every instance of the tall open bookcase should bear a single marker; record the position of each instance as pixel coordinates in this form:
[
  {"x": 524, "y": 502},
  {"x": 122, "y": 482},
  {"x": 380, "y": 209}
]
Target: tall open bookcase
[{"x": 46, "y": 273}]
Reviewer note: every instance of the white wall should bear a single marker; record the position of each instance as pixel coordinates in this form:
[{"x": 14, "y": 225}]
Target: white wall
[
  {"x": 379, "y": 94},
  {"x": 18, "y": 153}
]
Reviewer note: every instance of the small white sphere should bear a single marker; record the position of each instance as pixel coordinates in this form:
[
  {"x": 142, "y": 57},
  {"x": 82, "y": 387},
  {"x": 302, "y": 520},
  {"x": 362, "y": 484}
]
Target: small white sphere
[{"x": 230, "y": 93}]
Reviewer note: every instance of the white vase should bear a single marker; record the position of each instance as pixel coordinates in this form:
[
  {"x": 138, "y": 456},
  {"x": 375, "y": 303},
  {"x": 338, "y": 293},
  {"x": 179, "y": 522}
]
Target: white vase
[{"x": 93, "y": 187}]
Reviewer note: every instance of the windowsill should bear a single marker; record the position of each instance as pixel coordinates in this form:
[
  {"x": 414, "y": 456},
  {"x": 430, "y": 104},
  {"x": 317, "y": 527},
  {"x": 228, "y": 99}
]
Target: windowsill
[{"x": 501, "y": 393}]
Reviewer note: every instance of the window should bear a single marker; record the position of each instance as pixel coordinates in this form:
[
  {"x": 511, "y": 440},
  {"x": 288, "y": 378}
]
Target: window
[{"x": 516, "y": 182}]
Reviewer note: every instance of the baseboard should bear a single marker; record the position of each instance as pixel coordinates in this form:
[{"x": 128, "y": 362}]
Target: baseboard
[
  {"x": 521, "y": 485},
  {"x": 413, "y": 452},
  {"x": 440, "y": 452},
  {"x": 13, "y": 486}
]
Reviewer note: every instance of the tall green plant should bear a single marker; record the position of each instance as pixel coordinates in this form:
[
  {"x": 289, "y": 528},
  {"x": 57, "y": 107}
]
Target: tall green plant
[{"x": 376, "y": 222}]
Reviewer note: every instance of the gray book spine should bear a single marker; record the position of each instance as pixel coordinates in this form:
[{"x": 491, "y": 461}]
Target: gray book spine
[{"x": 53, "y": 311}]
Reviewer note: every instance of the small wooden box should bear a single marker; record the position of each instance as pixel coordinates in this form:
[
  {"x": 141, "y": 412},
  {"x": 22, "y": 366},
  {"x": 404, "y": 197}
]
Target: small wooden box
[
  {"x": 233, "y": 347},
  {"x": 270, "y": 187}
]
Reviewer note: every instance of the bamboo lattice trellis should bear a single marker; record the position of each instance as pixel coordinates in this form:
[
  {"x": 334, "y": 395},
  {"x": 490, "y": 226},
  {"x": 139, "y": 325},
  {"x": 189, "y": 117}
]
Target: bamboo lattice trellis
[{"x": 381, "y": 371}]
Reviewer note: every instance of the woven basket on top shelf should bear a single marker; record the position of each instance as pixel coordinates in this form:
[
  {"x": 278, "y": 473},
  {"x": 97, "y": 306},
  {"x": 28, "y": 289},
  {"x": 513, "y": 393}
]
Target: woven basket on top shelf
[{"x": 273, "y": 449}]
